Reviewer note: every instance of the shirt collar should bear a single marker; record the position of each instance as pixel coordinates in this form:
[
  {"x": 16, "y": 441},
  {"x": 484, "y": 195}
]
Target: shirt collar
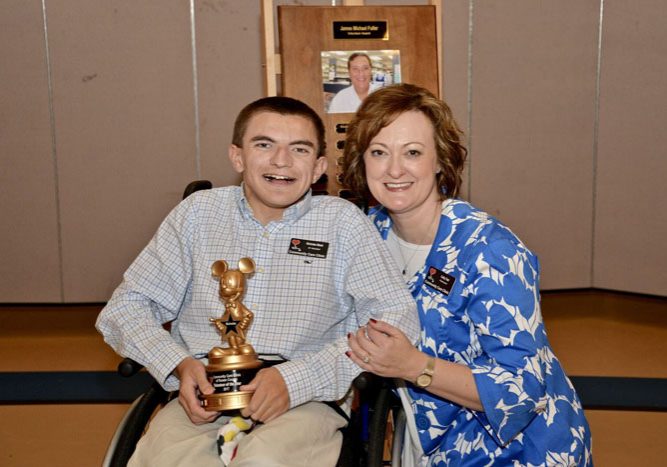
[{"x": 290, "y": 215}]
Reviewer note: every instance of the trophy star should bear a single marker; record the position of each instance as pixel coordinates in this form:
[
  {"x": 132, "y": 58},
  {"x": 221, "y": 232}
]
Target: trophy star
[{"x": 231, "y": 325}]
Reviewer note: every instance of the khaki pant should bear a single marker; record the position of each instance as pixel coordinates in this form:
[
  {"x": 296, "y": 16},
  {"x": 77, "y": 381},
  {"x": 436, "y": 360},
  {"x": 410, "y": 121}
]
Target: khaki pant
[{"x": 305, "y": 436}]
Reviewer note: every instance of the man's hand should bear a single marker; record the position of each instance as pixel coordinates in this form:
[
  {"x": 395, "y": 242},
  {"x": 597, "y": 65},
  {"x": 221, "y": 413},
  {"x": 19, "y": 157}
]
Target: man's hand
[
  {"x": 271, "y": 397},
  {"x": 192, "y": 375}
]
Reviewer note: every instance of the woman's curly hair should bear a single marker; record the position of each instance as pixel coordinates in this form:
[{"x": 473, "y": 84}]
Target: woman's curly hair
[{"x": 381, "y": 108}]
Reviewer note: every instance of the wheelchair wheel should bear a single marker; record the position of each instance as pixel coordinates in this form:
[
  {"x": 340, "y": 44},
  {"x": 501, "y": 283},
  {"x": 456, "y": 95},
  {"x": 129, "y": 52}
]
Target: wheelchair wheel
[
  {"x": 133, "y": 426},
  {"x": 398, "y": 439},
  {"x": 387, "y": 429}
]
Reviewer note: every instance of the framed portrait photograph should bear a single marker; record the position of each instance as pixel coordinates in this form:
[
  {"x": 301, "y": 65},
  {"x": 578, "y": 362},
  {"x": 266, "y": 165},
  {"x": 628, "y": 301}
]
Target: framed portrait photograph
[{"x": 348, "y": 76}]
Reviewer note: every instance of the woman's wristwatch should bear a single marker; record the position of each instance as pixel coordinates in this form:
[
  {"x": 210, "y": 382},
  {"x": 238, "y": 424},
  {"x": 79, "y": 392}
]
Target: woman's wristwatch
[{"x": 426, "y": 376}]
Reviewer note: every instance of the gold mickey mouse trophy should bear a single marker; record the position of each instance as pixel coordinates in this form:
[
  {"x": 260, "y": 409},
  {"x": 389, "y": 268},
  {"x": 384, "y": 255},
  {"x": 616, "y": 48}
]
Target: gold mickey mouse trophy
[{"x": 235, "y": 365}]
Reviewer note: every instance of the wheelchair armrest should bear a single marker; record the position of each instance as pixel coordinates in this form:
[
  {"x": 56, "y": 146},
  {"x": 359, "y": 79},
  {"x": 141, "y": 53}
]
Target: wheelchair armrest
[
  {"x": 128, "y": 367},
  {"x": 367, "y": 381}
]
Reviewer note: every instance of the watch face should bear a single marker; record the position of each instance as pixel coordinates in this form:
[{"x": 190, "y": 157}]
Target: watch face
[{"x": 423, "y": 380}]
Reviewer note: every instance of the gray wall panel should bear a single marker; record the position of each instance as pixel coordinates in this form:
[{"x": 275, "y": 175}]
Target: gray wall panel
[
  {"x": 229, "y": 77},
  {"x": 533, "y": 109},
  {"x": 631, "y": 224},
  {"x": 123, "y": 100},
  {"x": 30, "y": 265},
  {"x": 135, "y": 116},
  {"x": 455, "y": 64}
]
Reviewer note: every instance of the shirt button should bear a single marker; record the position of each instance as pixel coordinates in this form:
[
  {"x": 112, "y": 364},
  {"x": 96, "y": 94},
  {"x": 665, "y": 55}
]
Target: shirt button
[
  {"x": 265, "y": 235},
  {"x": 260, "y": 269},
  {"x": 422, "y": 421}
]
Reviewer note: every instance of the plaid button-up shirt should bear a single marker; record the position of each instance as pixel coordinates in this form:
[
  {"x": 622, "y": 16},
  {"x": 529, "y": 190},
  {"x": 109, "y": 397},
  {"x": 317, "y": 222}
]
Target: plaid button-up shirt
[{"x": 303, "y": 304}]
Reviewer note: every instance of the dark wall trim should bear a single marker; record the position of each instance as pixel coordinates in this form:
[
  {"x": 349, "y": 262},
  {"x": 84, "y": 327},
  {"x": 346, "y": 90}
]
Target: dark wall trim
[
  {"x": 582, "y": 290},
  {"x": 57, "y": 387},
  {"x": 597, "y": 290},
  {"x": 621, "y": 393}
]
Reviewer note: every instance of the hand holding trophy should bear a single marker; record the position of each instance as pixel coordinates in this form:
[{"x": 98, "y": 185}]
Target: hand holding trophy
[{"x": 231, "y": 367}]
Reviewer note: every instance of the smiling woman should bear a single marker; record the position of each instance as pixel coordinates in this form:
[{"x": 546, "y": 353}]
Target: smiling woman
[
  {"x": 483, "y": 385},
  {"x": 401, "y": 161}
]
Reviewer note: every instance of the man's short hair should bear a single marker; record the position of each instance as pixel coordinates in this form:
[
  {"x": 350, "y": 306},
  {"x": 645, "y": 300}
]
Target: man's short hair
[
  {"x": 283, "y": 106},
  {"x": 358, "y": 54}
]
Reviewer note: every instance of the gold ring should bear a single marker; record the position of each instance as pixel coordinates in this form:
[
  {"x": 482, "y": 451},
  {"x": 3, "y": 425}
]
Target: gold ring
[{"x": 366, "y": 359}]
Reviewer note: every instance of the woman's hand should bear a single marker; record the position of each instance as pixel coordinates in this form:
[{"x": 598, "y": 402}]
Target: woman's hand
[{"x": 384, "y": 350}]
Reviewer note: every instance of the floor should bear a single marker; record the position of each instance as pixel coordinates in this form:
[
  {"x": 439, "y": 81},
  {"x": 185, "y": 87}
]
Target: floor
[{"x": 593, "y": 333}]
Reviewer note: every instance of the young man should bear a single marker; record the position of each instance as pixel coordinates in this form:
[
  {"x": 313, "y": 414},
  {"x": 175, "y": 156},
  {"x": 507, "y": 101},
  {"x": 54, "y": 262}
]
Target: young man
[{"x": 305, "y": 300}]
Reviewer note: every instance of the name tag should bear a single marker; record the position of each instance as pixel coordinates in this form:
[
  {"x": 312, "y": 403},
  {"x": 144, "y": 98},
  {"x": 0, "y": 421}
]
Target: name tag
[
  {"x": 439, "y": 280},
  {"x": 310, "y": 248}
]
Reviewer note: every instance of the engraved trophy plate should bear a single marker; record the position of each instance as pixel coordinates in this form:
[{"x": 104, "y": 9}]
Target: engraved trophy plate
[{"x": 235, "y": 365}]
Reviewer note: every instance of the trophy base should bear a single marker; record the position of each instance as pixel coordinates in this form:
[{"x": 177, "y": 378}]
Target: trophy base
[
  {"x": 226, "y": 401},
  {"x": 228, "y": 370}
]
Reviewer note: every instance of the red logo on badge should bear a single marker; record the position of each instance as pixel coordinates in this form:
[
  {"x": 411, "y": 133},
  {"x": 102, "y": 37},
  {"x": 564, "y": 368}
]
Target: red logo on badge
[
  {"x": 431, "y": 271},
  {"x": 295, "y": 241}
]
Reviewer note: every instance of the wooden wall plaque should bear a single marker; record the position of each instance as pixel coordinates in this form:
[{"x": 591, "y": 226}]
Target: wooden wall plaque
[{"x": 306, "y": 32}]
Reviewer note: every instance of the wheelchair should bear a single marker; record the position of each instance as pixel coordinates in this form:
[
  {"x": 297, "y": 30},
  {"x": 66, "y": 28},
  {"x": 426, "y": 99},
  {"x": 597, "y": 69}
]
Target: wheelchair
[{"x": 373, "y": 437}]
